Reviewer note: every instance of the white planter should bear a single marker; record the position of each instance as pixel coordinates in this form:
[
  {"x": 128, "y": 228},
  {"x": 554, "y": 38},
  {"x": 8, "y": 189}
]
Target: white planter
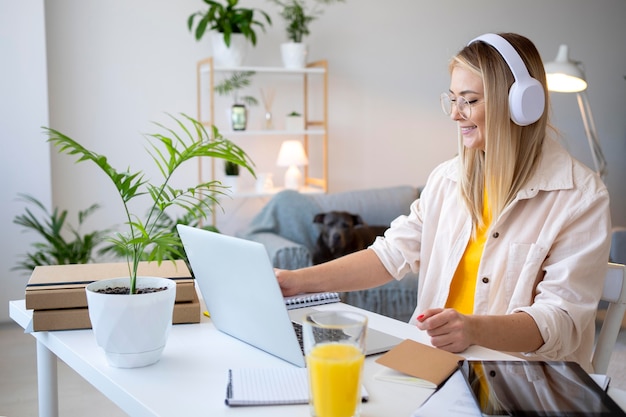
[
  {"x": 294, "y": 55},
  {"x": 294, "y": 123},
  {"x": 231, "y": 181},
  {"x": 131, "y": 329},
  {"x": 233, "y": 56}
]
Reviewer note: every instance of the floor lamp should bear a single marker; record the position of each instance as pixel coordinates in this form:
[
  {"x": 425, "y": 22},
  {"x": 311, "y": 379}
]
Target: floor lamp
[{"x": 566, "y": 76}]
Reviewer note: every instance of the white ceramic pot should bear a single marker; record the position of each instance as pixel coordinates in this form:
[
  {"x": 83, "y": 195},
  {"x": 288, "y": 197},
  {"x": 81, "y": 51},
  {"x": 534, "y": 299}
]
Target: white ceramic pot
[
  {"x": 233, "y": 56},
  {"x": 231, "y": 181},
  {"x": 294, "y": 54},
  {"x": 132, "y": 329},
  {"x": 294, "y": 123}
]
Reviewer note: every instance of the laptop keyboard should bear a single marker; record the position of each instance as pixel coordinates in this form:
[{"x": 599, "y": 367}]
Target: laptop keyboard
[
  {"x": 336, "y": 335},
  {"x": 297, "y": 327}
]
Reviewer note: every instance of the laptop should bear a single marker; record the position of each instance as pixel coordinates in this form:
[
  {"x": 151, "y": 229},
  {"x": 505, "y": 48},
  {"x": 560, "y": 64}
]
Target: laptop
[{"x": 238, "y": 285}]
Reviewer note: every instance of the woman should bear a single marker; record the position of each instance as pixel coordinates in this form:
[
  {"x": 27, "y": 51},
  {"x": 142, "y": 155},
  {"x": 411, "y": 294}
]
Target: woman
[{"x": 510, "y": 238}]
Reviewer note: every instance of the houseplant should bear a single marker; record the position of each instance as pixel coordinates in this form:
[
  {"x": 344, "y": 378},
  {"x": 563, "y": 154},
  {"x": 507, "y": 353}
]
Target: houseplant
[
  {"x": 231, "y": 86},
  {"x": 294, "y": 122},
  {"x": 231, "y": 180},
  {"x": 166, "y": 222},
  {"x": 62, "y": 243},
  {"x": 298, "y": 16},
  {"x": 135, "y": 313},
  {"x": 232, "y": 28}
]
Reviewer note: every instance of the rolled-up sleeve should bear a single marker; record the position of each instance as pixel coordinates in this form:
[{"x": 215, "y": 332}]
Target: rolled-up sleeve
[{"x": 399, "y": 249}]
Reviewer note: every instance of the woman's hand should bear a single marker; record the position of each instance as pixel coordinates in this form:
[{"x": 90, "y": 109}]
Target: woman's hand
[
  {"x": 452, "y": 331},
  {"x": 287, "y": 281},
  {"x": 448, "y": 329}
]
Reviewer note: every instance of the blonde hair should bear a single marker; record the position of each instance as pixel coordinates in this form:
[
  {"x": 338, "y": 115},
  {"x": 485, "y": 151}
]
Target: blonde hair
[{"x": 511, "y": 151}]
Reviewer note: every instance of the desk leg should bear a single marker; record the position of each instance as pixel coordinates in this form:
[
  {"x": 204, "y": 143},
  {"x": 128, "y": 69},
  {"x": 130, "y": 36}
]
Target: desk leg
[{"x": 47, "y": 382}]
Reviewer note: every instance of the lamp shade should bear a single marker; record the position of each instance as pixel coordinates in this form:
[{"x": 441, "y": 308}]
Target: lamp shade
[
  {"x": 291, "y": 153},
  {"x": 563, "y": 74}
]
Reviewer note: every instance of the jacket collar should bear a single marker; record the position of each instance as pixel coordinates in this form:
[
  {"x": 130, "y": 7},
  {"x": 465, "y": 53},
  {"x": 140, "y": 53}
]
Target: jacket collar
[{"x": 553, "y": 171}]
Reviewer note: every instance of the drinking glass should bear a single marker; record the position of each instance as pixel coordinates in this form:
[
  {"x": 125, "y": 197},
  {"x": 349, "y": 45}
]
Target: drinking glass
[{"x": 334, "y": 344}]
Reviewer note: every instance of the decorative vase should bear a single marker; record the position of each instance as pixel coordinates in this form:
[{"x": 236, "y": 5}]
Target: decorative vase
[
  {"x": 294, "y": 55},
  {"x": 132, "y": 329},
  {"x": 238, "y": 117},
  {"x": 233, "y": 56}
]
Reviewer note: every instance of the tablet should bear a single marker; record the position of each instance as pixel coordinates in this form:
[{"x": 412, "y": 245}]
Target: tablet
[{"x": 536, "y": 388}]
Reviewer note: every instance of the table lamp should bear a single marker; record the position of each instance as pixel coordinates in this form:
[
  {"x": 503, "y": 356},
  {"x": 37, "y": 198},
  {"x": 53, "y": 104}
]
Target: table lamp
[
  {"x": 292, "y": 155},
  {"x": 566, "y": 76}
]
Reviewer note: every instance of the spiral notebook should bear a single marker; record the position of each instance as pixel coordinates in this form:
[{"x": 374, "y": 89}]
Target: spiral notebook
[
  {"x": 313, "y": 299},
  {"x": 269, "y": 386}
]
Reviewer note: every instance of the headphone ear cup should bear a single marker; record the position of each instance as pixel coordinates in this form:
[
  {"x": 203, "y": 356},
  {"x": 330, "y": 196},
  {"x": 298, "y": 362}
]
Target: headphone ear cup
[{"x": 526, "y": 101}]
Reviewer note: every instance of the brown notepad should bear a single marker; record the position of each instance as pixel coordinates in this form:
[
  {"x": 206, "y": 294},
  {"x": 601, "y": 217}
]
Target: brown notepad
[{"x": 421, "y": 361}]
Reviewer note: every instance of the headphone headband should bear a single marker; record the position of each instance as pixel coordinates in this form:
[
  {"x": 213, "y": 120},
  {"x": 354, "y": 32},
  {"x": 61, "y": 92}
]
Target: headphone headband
[{"x": 526, "y": 95}]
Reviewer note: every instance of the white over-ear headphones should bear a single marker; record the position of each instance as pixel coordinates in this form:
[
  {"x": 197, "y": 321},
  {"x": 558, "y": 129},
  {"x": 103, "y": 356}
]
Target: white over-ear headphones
[{"x": 526, "y": 96}]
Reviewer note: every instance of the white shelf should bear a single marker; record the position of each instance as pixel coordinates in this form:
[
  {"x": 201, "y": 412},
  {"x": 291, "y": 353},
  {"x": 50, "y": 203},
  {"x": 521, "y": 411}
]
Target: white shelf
[
  {"x": 270, "y": 132},
  {"x": 247, "y": 193},
  {"x": 313, "y": 134},
  {"x": 316, "y": 70}
]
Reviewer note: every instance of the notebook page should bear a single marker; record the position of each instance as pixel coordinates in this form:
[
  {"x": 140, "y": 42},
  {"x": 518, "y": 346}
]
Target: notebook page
[{"x": 268, "y": 386}]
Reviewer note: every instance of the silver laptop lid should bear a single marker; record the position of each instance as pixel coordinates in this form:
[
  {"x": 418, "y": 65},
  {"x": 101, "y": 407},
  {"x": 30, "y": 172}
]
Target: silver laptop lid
[{"x": 240, "y": 290}]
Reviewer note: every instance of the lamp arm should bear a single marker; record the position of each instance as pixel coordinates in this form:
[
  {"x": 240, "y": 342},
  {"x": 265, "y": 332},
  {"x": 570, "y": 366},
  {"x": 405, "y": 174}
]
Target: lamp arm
[{"x": 592, "y": 136}]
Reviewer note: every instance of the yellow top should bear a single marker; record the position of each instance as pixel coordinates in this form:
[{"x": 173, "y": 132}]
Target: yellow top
[{"x": 463, "y": 285}]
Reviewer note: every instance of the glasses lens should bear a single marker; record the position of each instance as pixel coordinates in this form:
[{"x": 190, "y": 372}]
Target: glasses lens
[
  {"x": 446, "y": 104},
  {"x": 463, "y": 107}
]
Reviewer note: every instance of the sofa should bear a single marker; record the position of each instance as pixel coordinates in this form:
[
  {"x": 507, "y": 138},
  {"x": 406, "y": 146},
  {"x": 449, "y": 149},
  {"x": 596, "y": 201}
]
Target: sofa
[
  {"x": 618, "y": 245},
  {"x": 285, "y": 227}
]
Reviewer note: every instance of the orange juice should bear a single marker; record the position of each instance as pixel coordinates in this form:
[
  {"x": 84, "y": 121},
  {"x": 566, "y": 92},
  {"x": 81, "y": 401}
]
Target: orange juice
[{"x": 335, "y": 379}]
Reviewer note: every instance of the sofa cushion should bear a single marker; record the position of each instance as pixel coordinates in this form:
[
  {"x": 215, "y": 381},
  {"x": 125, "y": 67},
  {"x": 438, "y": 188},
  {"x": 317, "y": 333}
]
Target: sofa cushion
[
  {"x": 288, "y": 214},
  {"x": 376, "y": 206}
]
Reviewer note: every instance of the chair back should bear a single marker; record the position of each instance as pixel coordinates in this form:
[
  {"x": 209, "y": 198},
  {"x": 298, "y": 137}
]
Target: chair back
[{"x": 614, "y": 292}]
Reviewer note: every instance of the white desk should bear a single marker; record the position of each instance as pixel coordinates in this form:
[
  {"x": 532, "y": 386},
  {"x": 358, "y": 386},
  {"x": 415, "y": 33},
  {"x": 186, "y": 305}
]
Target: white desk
[{"x": 190, "y": 379}]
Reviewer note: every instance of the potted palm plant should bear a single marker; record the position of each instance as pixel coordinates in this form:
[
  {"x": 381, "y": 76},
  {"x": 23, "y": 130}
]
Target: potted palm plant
[
  {"x": 298, "y": 16},
  {"x": 232, "y": 29},
  {"x": 131, "y": 316}
]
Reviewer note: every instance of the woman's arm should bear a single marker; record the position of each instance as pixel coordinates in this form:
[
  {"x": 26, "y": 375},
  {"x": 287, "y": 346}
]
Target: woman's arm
[
  {"x": 455, "y": 332},
  {"x": 357, "y": 271}
]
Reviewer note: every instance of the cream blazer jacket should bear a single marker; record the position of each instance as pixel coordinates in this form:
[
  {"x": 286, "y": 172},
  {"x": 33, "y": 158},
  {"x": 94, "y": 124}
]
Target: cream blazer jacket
[{"x": 546, "y": 254}]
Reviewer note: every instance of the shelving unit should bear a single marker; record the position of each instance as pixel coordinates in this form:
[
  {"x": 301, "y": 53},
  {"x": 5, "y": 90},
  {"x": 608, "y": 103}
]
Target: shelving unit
[{"x": 313, "y": 82}]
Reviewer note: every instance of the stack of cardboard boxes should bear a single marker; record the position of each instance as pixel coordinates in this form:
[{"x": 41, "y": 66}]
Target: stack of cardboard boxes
[{"x": 56, "y": 293}]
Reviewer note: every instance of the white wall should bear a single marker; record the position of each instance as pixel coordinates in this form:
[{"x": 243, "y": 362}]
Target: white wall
[
  {"x": 25, "y": 158},
  {"x": 115, "y": 66}
]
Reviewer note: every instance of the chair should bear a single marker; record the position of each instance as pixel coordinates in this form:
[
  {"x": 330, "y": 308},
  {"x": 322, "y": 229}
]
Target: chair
[{"x": 614, "y": 293}]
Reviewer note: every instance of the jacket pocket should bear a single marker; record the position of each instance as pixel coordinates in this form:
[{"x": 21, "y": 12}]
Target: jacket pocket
[{"x": 524, "y": 272}]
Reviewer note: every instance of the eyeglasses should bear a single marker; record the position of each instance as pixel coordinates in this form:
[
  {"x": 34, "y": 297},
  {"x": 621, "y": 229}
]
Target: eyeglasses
[{"x": 463, "y": 106}]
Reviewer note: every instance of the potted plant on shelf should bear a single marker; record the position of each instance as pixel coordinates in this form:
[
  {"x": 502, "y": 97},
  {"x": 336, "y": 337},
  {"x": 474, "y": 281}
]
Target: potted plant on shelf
[
  {"x": 294, "y": 122},
  {"x": 298, "y": 16},
  {"x": 131, "y": 319},
  {"x": 231, "y": 179},
  {"x": 232, "y": 29},
  {"x": 231, "y": 86}
]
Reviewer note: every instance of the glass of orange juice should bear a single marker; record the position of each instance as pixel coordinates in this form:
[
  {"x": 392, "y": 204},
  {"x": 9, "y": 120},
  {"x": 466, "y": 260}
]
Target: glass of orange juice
[{"x": 334, "y": 344}]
